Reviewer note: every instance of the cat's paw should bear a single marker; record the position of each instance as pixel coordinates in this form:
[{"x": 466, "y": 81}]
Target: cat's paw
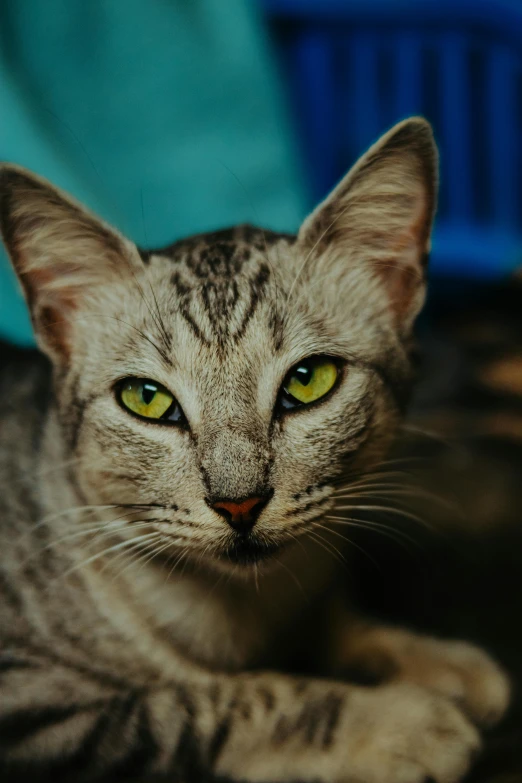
[
  {"x": 460, "y": 671},
  {"x": 404, "y": 734},
  {"x": 397, "y": 733}
]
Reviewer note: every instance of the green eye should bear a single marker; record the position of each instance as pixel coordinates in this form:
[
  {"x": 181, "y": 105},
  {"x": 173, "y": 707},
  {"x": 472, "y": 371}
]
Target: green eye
[
  {"x": 148, "y": 399},
  {"x": 309, "y": 380}
]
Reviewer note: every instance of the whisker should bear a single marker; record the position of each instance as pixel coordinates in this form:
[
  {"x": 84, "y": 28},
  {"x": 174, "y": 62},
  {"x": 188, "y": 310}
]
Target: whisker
[
  {"x": 176, "y": 562},
  {"x": 104, "y": 552},
  {"x": 135, "y": 559},
  {"x": 55, "y": 467},
  {"x": 56, "y": 515},
  {"x": 161, "y": 352},
  {"x": 407, "y": 493},
  {"x": 412, "y": 429},
  {"x": 298, "y": 539},
  {"x": 385, "y": 475},
  {"x": 96, "y": 316},
  {"x": 218, "y": 580},
  {"x": 153, "y": 315},
  {"x": 291, "y": 575},
  {"x": 100, "y": 531},
  {"x": 355, "y": 489},
  {"x": 160, "y": 322},
  {"x": 312, "y": 251},
  {"x": 388, "y": 510},
  {"x": 256, "y": 577},
  {"x": 326, "y": 545},
  {"x": 352, "y": 543},
  {"x": 385, "y": 530},
  {"x": 401, "y": 461},
  {"x": 163, "y": 329},
  {"x": 155, "y": 553},
  {"x": 133, "y": 544}
]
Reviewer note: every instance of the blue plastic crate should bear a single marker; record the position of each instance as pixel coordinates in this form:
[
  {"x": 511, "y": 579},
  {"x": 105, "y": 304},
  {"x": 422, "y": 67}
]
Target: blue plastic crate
[{"x": 354, "y": 68}]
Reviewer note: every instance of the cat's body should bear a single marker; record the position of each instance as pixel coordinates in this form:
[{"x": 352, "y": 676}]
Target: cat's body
[{"x": 143, "y": 600}]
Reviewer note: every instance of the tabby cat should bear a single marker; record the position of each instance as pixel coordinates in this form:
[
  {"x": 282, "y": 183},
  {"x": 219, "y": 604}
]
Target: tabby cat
[{"x": 167, "y": 470}]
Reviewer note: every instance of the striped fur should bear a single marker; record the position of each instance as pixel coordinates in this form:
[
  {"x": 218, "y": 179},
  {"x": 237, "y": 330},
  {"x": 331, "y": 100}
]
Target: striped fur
[{"x": 141, "y": 635}]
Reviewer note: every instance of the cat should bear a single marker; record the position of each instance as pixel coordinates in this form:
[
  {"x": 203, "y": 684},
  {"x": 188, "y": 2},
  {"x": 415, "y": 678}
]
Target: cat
[{"x": 168, "y": 464}]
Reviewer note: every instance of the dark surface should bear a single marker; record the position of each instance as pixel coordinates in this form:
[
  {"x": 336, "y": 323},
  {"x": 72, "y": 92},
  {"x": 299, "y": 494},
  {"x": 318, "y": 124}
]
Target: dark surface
[
  {"x": 463, "y": 578},
  {"x": 464, "y": 587}
]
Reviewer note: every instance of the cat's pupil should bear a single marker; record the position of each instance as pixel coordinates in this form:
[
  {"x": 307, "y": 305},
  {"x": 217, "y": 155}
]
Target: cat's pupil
[
  {"x": 304, "y": 374},
  {"x": 148, "y": 393}
]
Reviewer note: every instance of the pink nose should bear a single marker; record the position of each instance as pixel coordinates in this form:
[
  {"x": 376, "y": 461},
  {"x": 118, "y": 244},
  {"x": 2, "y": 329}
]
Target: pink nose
[{"x": 241, "y": 516}]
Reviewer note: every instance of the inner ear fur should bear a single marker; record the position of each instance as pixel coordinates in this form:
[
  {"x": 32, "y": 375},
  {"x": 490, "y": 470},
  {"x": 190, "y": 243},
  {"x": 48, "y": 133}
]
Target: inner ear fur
[
  {"x": 60, "y": 251},
  {"x": 381, "y": 215}
]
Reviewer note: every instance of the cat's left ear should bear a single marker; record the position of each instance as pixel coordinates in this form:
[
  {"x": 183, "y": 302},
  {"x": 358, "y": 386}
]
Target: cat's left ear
[
  {"x": 61, "y": 252},
  {"x": 380, "y": 216}
]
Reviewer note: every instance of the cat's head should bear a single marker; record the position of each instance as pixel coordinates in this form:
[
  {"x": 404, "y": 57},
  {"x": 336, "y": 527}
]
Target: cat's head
[{"x": 218, "y": 387}]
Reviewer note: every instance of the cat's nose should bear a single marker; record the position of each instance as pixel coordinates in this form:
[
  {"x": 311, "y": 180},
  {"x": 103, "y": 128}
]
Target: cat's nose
[{"x": 240, "y": 515}]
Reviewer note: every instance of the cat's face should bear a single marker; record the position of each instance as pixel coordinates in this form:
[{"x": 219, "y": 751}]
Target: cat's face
[{"x": 216, "y": 388}]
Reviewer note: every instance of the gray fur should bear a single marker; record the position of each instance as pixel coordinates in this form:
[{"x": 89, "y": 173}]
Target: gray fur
[{"x": 128, "y": 654}]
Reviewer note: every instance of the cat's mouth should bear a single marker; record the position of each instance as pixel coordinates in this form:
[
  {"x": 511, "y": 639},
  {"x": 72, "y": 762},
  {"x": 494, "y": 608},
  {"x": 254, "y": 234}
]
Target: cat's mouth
[{"x": 248, "y": 549}]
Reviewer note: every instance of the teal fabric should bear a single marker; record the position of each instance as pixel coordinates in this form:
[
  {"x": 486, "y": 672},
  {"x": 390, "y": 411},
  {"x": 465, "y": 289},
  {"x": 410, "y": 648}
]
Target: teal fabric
[{"x": 164, "y": 116}]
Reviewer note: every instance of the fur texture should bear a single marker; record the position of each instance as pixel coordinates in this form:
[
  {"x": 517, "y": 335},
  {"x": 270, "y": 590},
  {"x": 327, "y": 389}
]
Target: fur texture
[{"x": 137, "y": 625}]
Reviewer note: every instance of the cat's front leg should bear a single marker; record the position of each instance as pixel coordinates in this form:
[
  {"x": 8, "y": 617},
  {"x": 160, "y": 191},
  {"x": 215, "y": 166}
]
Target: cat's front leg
[
  {"x": 59, "y": 722},
  {"x": 458, "y": 670},
  {"x": 325, "y": 731}
]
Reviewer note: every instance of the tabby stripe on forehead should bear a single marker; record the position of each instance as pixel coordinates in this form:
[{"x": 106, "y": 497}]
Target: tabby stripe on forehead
[
  {"x": 183, "y": 291},
  {"x": 257, "y": 289},
  {"x": 245, "y": 234},
  {"x": 218, "y": 291}
]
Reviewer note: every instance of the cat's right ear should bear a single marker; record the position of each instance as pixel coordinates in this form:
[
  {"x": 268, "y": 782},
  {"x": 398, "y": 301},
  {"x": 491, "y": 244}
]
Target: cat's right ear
[
  {"x": 61, "y": 253},
  {"x": 379, "y": 218}
]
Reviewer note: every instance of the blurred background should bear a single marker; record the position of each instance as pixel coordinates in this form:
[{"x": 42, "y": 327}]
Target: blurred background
[{"x": 170, "y": 118}]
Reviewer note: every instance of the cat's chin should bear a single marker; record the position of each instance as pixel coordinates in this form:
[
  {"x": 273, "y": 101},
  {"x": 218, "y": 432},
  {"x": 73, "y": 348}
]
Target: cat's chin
[
  {"x": 238, "y": 554},
  {"x": 248, "y": 551},
  {"x": 243, "y": 553}
]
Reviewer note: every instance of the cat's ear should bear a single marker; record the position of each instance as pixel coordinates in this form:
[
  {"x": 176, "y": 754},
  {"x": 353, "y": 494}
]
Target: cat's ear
[
  {"x": 60, "y": 252},
  {"x": 381, "y": 215}
]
